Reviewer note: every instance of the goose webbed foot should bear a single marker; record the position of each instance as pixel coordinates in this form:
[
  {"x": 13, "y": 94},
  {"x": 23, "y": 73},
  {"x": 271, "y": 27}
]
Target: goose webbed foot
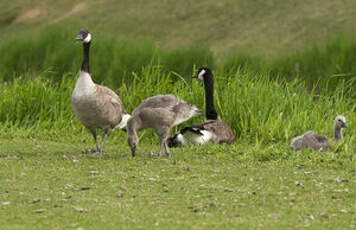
[
  {"x": 133, "y": 151},
  {"x": 156, "y": 155},
  {"x": 96, "y": 153}
]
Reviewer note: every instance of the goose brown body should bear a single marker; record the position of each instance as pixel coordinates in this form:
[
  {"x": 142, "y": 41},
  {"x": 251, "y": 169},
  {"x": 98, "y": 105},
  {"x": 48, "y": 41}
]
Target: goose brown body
[
  {"x": 95, "y": 106},
  {"x": 99, "y": 109}
]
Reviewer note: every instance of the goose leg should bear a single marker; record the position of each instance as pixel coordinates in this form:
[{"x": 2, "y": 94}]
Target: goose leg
[
  {"x": 103, "y": 137},
  {"x": 161, "y": 143},
  {"x": 96, "y": 142},
  {"x": 163, "y": 135},
  {"x": 165, "y": 139},
  {"x": 167, "y": 149}
]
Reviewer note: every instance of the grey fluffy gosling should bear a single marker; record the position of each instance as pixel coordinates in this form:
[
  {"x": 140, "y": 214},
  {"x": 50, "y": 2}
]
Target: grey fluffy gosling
[
  {"x": 96, "y": 106},
  {"x": 161, "y": 113},
  {"x": 212, "y": 130},
  {"x": 318, "y": 142}
]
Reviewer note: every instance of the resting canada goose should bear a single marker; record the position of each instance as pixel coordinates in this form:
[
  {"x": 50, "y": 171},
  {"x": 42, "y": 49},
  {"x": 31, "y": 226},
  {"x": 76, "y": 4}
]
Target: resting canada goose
[
  {"x": 213, "y": 129},
  {"x": 96, "y": 106},
  {"x": 318, "y": 142},
  {"x": 160, "y": 113}
]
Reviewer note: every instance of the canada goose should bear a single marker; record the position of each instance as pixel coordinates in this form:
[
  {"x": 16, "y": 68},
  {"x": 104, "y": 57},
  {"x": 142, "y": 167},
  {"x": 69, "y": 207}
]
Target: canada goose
[
  {"x": 96, "y": 106},
  {"x": 318, "y": 142},
  {"x": 213, "y": 129},
  {"x": 160, "y": 113}
]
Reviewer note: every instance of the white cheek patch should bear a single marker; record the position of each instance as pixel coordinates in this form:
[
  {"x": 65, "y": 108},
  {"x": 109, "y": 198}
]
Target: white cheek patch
[
  {"x": 201, "y": 74},
  {"x": 87, "y": 39}
]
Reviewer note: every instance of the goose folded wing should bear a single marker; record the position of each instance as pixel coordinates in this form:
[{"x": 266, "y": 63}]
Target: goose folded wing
[
  {"x": 221, "y": 131},
  {"x": 321, "y": 139},
  {"x": 158, "y": 101},
  {"x": 110, "y": 97}
]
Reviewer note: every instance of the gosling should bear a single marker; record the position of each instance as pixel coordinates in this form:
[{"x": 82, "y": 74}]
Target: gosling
[{"x": 318, "y": 142}]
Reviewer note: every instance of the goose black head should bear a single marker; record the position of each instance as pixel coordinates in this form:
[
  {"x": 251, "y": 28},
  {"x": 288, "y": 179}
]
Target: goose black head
[
  {"x": 202, "y": 73},
  {"x": 340, "y": 121},
  {"x": 83, "y": 36}
]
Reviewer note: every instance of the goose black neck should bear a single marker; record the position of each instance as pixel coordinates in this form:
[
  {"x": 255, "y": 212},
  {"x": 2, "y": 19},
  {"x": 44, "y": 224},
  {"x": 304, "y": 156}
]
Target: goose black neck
[
  {"x": 85, "y": 63},
  {"x": 210, "y": 112}
]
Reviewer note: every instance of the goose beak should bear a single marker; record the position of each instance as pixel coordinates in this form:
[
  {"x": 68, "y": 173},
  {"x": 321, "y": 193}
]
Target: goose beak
[
  {"x": 344, "y": 125},
  {"x": 133, "y": 151},
  {"x": 194, "y": 76},
  {"x": 79, "y": 37}
]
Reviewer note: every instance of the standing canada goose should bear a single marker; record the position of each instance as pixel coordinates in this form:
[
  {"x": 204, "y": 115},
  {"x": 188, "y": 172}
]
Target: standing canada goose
[
  {"x": 213, "y": 129},
  {"x": 318, "y": 142},
  {"x": 161, "y": 113},
  {"x": 96, "y": 106}
]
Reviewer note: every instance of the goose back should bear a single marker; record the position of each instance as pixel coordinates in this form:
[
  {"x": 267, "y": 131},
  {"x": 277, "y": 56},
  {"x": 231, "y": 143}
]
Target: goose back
[
  {"x": 310, "y": 140},
  {"x": 158, "y": 101},
  {"x": 164, "y": 110}
]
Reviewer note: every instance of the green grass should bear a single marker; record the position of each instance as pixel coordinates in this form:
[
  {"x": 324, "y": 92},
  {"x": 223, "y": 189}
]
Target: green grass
[
  {"x": 259, "y": 109},
  {"x": 48, "y": 184},
  {"x": 47, "y": 179},
  {"x": 273, "y": 81}
]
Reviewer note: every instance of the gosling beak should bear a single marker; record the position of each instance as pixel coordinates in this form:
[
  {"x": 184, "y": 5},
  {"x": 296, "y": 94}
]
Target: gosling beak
[{"x": 133, "y": 151}]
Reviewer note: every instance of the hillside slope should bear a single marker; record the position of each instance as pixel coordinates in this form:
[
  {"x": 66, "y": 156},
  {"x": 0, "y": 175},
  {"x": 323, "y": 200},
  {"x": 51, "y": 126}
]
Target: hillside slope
[{"x": 263, "y": 26}]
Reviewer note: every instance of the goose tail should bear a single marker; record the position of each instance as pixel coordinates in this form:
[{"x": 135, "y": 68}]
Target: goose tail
[{"x": 123, "y": 122}]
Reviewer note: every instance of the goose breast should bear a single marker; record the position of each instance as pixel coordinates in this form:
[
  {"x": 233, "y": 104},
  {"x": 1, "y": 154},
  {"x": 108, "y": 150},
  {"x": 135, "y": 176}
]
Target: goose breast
[{"x": 100, "y": 109}]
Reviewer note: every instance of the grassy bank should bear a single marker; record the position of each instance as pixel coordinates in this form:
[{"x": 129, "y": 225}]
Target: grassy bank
[
  {"x": 222, "y": 26},
  {"x": 113, "y": 62},
  {"x": 49, "y": 181}
]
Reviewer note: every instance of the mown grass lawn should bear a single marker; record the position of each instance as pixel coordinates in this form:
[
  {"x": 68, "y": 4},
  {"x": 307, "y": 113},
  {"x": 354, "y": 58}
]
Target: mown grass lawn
[{"x": 55, "y": 185}]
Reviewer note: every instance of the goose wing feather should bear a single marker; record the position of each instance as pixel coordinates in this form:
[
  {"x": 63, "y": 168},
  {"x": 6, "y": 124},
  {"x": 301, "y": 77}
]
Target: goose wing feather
[
  {"x": 158, "y": 101},
  {"x": 221, "y": 131},
  {"x": 103, "y": 109},
  {"x": 110, "y": 96},
  {"x": 165, "y": 110},
  {"x": 310, "y": 140}
]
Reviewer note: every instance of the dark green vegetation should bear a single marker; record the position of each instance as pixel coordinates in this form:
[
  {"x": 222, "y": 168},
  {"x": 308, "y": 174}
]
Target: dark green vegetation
[
  {"x": 313, "y": 40},
  {"x": 53, "y": 49},
  {"x": 284, "y": 78}
]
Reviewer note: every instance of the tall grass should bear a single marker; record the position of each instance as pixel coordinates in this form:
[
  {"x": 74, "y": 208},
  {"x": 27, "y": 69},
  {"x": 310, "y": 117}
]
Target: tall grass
[{"x": 259, "y": 109}]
